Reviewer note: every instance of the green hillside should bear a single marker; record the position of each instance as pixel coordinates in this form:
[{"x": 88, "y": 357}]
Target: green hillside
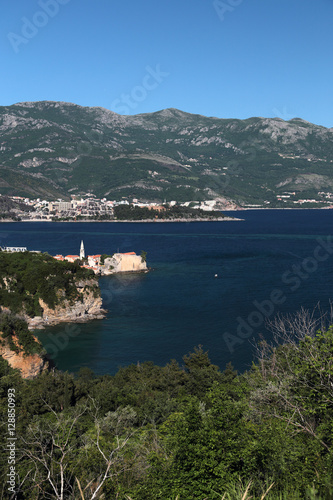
[{"x": 55, "y": 149}]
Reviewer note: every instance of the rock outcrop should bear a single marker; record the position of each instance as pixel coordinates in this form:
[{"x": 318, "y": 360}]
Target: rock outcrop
[
  {"x": 30, "y": 365},
  {"x": 86, "y": 307}
]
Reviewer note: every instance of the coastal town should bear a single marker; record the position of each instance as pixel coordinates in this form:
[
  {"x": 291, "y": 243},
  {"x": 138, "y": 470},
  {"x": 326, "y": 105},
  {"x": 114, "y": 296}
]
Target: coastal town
[
  {"x": 100, "y": 264},
  {"x": 90, "y": 208},
  {"x": 103, "y": 264}
]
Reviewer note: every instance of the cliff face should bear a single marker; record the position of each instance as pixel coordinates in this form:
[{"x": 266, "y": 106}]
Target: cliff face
[
  {"x": 88, "y": 306},
  {"x": 29, "y": 365}
]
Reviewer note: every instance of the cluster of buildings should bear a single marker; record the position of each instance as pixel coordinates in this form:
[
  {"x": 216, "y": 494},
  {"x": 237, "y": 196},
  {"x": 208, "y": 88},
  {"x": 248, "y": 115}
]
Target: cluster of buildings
[
  {"x": 17, "y": 249},
  {"x": 118, "y": 262},
  {"x": 88, "y": 206},
  {"x": 290, "y": 197},
  {"x": 13, "y": 249},
  {"x": 91, "y": 262}
]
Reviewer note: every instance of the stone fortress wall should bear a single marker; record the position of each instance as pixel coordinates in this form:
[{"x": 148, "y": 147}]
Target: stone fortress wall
[{"x": 123, "y": 262}]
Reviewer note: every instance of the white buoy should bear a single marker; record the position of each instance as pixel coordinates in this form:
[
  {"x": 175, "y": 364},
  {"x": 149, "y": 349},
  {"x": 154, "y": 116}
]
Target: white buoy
[{"x": 216, "y": 275}]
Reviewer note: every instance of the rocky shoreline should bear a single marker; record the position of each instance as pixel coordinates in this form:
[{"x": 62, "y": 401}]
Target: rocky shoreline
[
  {"x": 86, "y": 308},
  {"x": 40, "y": 322}
]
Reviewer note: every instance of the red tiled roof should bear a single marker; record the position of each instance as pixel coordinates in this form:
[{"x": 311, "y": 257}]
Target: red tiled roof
[{"x": 129, "y": 253}]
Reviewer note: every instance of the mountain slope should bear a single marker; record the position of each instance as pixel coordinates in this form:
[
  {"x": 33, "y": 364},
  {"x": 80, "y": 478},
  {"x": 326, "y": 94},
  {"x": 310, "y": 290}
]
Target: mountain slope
[{"x": 55, "y": 149}]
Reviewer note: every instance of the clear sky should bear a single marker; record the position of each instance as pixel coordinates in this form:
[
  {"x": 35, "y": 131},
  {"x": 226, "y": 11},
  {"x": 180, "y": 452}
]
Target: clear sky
[{"x": 224, "y": 58}]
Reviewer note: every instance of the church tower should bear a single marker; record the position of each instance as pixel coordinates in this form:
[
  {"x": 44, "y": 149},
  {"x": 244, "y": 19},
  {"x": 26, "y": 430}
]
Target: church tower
[{"x": 82, "y": 254}]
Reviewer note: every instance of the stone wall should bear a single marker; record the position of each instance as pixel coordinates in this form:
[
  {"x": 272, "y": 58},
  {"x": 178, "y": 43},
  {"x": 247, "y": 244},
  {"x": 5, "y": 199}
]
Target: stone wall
[{"x": 124, "y": 263}]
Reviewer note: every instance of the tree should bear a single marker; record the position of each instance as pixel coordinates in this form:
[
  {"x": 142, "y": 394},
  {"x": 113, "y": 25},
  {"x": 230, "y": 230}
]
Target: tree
[
  {"x": 63, "y": 451},
  {"x": 103, "y": 257},
  {"x": 201, "y": 372},
  {"x": 143, "y": 256},
  {"x": 294, "y": 382},
  {"x": 50, "y": 444}
]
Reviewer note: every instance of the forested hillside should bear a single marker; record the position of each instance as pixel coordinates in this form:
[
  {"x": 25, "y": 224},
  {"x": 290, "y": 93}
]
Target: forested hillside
[{"x": 186, "y": 432}]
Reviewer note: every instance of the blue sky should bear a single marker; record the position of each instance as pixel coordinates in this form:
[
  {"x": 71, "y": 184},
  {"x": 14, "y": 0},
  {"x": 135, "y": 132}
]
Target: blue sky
[{"x": 224, "y": 58}]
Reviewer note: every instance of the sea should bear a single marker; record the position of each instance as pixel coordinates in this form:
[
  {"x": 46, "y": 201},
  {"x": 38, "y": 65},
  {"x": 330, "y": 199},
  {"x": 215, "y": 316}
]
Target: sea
[{"x": 214, "y": 284}]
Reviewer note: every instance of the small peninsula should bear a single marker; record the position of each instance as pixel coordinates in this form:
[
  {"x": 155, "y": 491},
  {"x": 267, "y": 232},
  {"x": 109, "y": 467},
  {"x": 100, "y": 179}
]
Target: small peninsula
[
  {"x": 103, "y": 264},
  {"x": 39, "y": 290},
  {"x": 44, "y": 291},
  {"x": 36, "y": 290}
]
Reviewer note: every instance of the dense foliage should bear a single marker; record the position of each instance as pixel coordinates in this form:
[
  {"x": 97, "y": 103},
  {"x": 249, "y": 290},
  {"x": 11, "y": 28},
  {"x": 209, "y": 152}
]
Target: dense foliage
[
  {"x": 25, "y": 277},
  {"x": 185, "y": 431},
  {"x": 131, "y": 212}
]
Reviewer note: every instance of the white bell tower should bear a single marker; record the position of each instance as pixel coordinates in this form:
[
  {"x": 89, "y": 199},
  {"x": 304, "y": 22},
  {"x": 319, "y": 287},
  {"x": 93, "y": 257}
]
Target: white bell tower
[{"x": 82, "y": 254}]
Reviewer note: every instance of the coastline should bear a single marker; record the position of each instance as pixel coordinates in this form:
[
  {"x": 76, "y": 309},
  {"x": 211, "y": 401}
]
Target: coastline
[
  {"x": 154, "y": 221},
  {"x": 280, "y": 208},
  {"x": 145, "y": 221}
]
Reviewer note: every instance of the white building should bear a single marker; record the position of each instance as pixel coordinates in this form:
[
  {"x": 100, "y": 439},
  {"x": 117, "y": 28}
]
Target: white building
[{"x": 14, "y": 249}]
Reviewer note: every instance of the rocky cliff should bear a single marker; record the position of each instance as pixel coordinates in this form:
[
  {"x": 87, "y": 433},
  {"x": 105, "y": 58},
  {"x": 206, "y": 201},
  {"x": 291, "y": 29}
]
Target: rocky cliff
[
  {"x": 86, "y": 307},
  {"x": 30, "y": 365}
]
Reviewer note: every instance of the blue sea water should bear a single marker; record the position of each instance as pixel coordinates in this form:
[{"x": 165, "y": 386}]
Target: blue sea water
[{"x": 274, "y": 261}]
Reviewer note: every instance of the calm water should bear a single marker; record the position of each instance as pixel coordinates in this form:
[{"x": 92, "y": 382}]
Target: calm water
[{"x": 273, "y": 254}]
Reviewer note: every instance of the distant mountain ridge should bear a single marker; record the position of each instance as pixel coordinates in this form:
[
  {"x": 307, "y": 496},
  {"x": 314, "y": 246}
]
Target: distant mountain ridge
[{"x": 55, "y": 149}]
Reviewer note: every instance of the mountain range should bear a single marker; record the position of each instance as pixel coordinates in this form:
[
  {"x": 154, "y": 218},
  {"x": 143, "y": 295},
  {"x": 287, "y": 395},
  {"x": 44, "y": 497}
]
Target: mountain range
[{"x": 56, "y": 149}]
